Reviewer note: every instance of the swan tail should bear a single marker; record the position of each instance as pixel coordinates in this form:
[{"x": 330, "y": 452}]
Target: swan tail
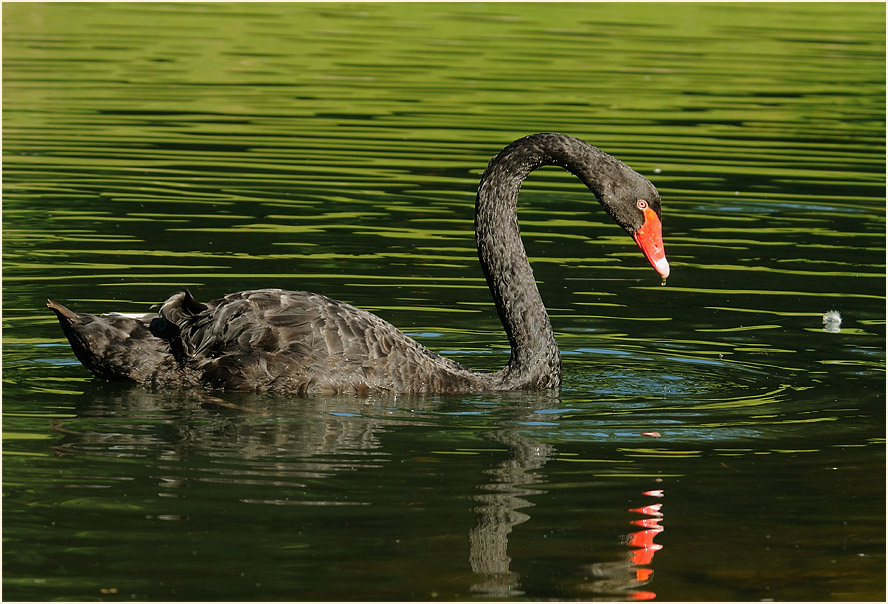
[{"x": 113, "y": 347}]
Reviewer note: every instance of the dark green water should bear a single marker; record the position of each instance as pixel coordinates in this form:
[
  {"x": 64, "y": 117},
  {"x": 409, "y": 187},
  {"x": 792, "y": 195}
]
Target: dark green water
[{"x": 336, "y": 148}]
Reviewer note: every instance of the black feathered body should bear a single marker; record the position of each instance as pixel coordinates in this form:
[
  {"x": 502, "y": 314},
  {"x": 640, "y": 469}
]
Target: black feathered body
[
  {"x": 273, "y": 340},
  {"x": 267, "y": 340},
  {"x": 300, "y": 342}
]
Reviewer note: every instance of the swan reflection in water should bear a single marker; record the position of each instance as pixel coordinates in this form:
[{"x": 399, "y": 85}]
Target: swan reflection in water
[
  {"x": 331, "y": 436},
  {"x": 500, "y": 511}
]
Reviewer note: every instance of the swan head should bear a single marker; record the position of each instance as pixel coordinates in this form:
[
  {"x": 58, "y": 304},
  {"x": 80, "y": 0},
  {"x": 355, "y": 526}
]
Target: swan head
[
  {"x": 627, "y": 196},
  {"x": 634, "y": 204}
]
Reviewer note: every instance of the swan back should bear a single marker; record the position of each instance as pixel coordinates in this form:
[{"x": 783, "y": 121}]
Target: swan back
[{"x": 297, "y": 341}]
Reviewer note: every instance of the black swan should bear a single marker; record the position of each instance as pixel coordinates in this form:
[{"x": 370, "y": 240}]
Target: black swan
[{"x": 273, "y": 340}]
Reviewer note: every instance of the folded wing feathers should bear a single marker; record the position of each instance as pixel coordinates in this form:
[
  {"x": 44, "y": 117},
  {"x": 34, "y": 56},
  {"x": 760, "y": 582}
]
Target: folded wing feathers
[
  {"x": 262, "y": 340},
  {"x": 265, "y": 336}
]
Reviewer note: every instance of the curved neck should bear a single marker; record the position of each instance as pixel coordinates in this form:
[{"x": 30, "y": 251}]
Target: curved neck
[{"x": 535, "y": 361}]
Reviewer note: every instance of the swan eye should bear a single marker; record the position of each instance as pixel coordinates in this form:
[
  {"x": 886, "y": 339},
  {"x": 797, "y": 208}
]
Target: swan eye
[{"x": 642, "y": 204}]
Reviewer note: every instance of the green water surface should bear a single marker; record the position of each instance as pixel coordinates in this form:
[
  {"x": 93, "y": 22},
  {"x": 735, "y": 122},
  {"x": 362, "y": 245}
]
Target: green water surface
[{"x": 712, "y": 441}]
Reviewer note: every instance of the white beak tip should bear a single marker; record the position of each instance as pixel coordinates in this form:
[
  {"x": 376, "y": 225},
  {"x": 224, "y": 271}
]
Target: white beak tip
[{"x": 662, "y": 267}]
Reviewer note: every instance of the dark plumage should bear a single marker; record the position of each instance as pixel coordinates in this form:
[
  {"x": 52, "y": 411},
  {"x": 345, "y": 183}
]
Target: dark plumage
[{"x": 272, "y": 340}]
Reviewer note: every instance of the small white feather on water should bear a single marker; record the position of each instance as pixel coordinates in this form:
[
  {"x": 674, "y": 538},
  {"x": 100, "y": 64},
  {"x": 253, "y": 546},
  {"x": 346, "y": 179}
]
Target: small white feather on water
[{"x": 832, "y": 321}]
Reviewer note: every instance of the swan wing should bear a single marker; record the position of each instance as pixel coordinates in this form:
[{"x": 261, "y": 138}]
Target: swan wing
[{"x": 281, "y": 340}]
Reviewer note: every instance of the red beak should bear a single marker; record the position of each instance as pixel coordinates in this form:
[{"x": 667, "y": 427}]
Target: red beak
[{"x": 650, "y": 239}]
